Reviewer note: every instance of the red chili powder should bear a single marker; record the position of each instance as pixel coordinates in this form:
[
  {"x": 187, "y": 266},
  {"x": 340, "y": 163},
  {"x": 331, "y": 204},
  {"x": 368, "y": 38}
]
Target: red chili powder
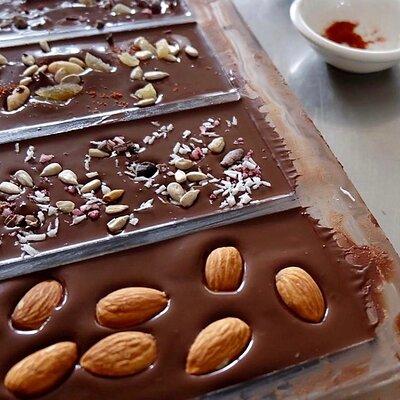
[{"x": 343, "y": 32}]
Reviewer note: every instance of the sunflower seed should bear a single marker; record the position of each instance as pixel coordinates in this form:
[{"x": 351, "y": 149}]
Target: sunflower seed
[
  {"x": 217, "y": 145},
  {"x": 78, "y": 61},
  {"x": 24, "y": 178},
  {"x": 174, "y": 49},
  {"x": 65, "y": 206},
  {"x": 196, "y": 176},
  {"x": 155, "y": 75},
  {"x": 128, "y": 59},
  {"x": 145, "y": 102},
  {"x": 28, "y": 59},
  {"x": 116, "y": 209},
  {"x": 175, "y": 190},
  {"x": 117, "y": 224},
  {"x": 51, "y": 169},
  {"x": 184, "y": 164},
  {"x": 30, "y": 70},
  {"x": 9, "y": 188},
  {"x": 44, "y": 45},
  {"x": 170, "y": 58},
  {"x": 189, "y": 198},
  {"x": 25, "y": 81},
  {"x": 91, "y": 186},
  {"x": 137, "y": 74},
  {"x": 144, "y": 55},
  {"x": 69, "y": 177},
  {"x": 180, "y": 176},
  {"x": 71, "y": 79},
  {"x": 18, "y": 97},
  {"x": 42, "y": 68},
  {"x": 114, "y": 195},
  {"x": 3, "y": 60},
  {"x": 97, "y": 64},
  {"x": 191, "y": 51},
  {"x": 121, "y": 9},
  {"x": 97, "y": 153},
  {"x": 69, "y": 67}
]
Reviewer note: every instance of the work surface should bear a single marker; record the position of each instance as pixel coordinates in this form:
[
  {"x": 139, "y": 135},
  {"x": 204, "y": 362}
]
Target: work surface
[{"x": 358, "y": 115}]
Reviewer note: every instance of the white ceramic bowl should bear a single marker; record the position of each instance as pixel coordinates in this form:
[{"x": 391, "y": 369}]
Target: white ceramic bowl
[{"x": 376, "y": 19}]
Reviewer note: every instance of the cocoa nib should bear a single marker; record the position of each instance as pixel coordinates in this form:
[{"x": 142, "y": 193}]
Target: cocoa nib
[{"x": 146, "y": 169}]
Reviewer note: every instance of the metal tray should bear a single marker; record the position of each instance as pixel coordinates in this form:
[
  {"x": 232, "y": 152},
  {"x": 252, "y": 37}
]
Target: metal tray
[{"x": 364, "y": 372}]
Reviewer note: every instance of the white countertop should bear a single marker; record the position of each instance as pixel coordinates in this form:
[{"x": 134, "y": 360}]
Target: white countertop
[{"x": 358, "y": 115}]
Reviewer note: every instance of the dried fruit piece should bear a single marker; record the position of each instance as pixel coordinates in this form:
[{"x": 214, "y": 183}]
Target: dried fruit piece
[
  {"x": 37, "y": 305},
  {"x": 163, "y": 50},
  {"x": 301, "y": 294},
  {"x": 128, "y": 307},
  {"x": 96, "y": 63},
  {"x": 147, "y": 92},
  {"x": 68, "y": 67},
  {"x": 61, "y": 92},
  {"x": 224, "y": 269},
  {"x": 51, "y": 169},
  {"x": 120, "y": 354},
  {"x": 18, "y": 98},
  {"x": 41, "y": 371},
  {"x": 9, "y": 188},
  {"x": 114, "y": 195},
  {"x": 128, "y": 59},
  {"x": 24, "y": 178},
  {"x": 188, "y": 199},
  {"x": 217, "y": 345}
]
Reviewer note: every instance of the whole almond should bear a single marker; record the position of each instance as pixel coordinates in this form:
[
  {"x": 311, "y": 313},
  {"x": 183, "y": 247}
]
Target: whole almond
[
  {"x": 301, "y": 294},
  {"x": 224, "y": 269},
  {"x": 41, "y": 371},
  {"x": 37, "y": 305},
  {"x": 217, "y": 345},
  {"x": 120, "y": 354},
  {"x": 128, "y": 307}
]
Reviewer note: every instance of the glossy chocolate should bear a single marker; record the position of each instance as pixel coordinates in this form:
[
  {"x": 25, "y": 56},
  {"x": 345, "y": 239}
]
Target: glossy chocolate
[
  {"x": 251, "y": 133},
  {"x": 279, "y": 338},
  {"x": 107, "y": 91},
  {"x": 23, "y": 16}
]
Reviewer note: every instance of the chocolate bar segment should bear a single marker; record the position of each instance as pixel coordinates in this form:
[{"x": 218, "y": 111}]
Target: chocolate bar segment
[
  {"x": 89, "y": 76},
  {"x": 279, "y": 337},
  {"x": 73, "y": 188}
]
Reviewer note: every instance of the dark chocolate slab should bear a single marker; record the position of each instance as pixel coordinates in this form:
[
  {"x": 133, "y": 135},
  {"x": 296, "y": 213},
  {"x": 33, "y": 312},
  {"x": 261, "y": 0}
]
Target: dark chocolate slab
[
  {"x": 279, "y": 338},
  {"x": 27, "y": 18},
  {"x": 111, "y": 91},
  {"x": 239, "y": 127}
]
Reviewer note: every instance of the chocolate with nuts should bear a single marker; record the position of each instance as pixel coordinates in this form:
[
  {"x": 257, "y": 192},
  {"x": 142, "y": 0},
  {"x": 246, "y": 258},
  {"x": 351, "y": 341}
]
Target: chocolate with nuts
[
  {"x": 20, "y": 16},
  {"x": 115, "y": 312},
  {"x": 86, "y": 76},
  {"x": 128, "y": 176}
]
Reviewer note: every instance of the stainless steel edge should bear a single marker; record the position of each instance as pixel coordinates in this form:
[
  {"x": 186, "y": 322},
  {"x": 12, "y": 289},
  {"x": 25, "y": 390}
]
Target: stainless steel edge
[
  {"x": 112, "y": 244},
  {"x": 78, "y": 32},
  {"x": 121, "y": 115}
]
